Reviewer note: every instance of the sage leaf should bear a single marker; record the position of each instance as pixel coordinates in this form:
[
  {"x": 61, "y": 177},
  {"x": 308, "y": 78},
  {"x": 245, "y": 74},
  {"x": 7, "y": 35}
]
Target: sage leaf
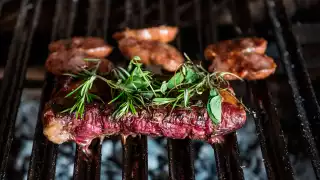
[
  {"x": 191, "y": 76},
  {"x": 214, "y": 109},
  {"x": 213, "y": 93},
  {"x": 175, "y": 80},
  {"x": 163, "y": 87}
]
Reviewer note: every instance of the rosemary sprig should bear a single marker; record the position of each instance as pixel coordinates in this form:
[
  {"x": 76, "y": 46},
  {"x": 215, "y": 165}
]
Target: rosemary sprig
[
  {"x": 134, "y": 88},
  {"x": 81, "y": 93}
]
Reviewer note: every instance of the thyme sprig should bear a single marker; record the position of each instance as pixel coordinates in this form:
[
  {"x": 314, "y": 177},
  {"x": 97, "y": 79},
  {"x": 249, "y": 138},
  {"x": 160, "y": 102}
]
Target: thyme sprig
[{"x": 134, "y": 88}]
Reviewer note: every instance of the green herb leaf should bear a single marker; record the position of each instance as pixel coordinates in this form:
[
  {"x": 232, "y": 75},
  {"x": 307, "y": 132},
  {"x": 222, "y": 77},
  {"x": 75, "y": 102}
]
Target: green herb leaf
[
  {"x": 163, "y": 87},
  {"x": 162, "y": 101},
  {"x": 186, "y": 97},
  {"x": 175, "y": 80},
  {"x": 191, "y": 76},
  {"x": 214, "y": 107}
]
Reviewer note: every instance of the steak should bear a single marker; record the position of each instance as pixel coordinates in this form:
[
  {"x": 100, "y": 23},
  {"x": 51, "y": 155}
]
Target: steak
[
  {"x": 243, "y": 57},
  {"x": 152, "y": 53},
  {"x": 163, "y": 34},
  {"x": 98, "y": 122},
  {"x": 67, "y": 56}
]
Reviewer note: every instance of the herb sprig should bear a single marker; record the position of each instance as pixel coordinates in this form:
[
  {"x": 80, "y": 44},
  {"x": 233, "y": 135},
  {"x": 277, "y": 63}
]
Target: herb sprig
[{"x": 134, "y": 88}]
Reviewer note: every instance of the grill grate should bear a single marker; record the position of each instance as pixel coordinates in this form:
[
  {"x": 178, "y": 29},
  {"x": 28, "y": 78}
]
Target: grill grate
[{"x": 273, "y": 145}]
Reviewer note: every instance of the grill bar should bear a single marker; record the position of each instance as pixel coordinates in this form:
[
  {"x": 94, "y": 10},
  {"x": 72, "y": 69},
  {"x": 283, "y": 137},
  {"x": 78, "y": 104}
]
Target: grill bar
[
  {"x": 283, "y": 45},
  {"x": 180, "y": 159},
  {"x": 273, "y": 146},
  {"x": 179, "y": 151},
  {"x": 135, "y": 149},
  {"x": 88, "y": 168},
  {"x": 13, "y": 83},
  {"x": 44, "y": 152},
  {"x": 227, "y": 154},
  {"x": 301, "y": 73},
  {"x": 227, "y": 158},
  {"x": 135, "y": 158}
]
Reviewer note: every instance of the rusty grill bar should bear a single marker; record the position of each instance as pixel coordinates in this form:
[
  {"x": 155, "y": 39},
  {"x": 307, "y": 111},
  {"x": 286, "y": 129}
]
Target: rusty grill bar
[{"x": 135, "y": 161}]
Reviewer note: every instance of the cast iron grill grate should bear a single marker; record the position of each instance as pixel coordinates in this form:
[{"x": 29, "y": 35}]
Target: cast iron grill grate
[{"x": 103, "y": 17}]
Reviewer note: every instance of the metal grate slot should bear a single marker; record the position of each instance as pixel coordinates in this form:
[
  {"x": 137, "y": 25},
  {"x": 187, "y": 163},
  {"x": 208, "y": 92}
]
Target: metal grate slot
[
  {"x": 298, "y": 66},
  {"x": 44, "y": 152},
  {"x": 273, "y": 146},
  {"x": 180, "y": 159},
  {"x": 283, "y": 45},
  {"x": 268, "y": 128},
  {"x": 88, "y": 168},
  {"x": 135, "y": 158},
  {"x": 13, "y": 79},
  {"x": 227, "y": 154},
  {"x": 227, "y": 158}
]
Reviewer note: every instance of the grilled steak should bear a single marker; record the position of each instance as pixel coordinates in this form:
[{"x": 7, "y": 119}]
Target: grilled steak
[
  {"x": 243, "y": 57},
  {"x": 91, "y": 46},
  {"x": 163, "y": 34},
  {"x": 193, "y": 123},
  {"x": 67, "y": 56},
  {"x": 152, "y": 53}
]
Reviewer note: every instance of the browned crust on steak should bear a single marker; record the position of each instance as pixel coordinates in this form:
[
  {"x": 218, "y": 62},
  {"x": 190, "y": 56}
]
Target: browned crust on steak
[{"x": 163, "y": 34}]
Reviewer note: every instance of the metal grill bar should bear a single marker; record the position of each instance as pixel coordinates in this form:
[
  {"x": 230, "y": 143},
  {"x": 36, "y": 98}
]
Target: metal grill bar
[
  {"x": 301, "y": 73},
  {"x": 227, "y": 154},
  {"x": 13, "y": 83},
  {"x": 135, "y": 149},
  {"x": 91, "y": 168},
  {"x": 88, "y": 168},
  {"x": 179, "y": 151},
  {"x": 180, "y": 159},
  {"x": 273, "y": 146},
  {"x": 44, "y": 152},
  {"x": 283, "y": 45},
  {"x": 227, "y": 158},
  {"x": 106, "y": 19},
  {"x": 135, "y": 158}
]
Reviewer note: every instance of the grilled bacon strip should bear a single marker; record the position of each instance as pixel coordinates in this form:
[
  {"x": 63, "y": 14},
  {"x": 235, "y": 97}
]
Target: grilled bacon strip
[{"x": 244, "y": 57}]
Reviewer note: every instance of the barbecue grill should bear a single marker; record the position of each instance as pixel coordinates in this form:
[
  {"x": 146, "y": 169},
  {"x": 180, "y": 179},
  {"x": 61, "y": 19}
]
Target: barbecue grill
[{"x": 197, "y": 17}]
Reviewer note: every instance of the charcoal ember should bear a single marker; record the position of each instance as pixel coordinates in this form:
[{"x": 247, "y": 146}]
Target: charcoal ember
[{"x": 243, "y": 57}]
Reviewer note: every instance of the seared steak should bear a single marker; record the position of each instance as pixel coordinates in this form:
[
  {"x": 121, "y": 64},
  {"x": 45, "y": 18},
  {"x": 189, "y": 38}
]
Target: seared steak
[
  {"x": 243, "y": 57},
  {"x": 68, "y": 56},
  {"x": 193, "y": 123},
  {"x": 163, "y": 34},
  {"x": 152, "y": 53}
]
